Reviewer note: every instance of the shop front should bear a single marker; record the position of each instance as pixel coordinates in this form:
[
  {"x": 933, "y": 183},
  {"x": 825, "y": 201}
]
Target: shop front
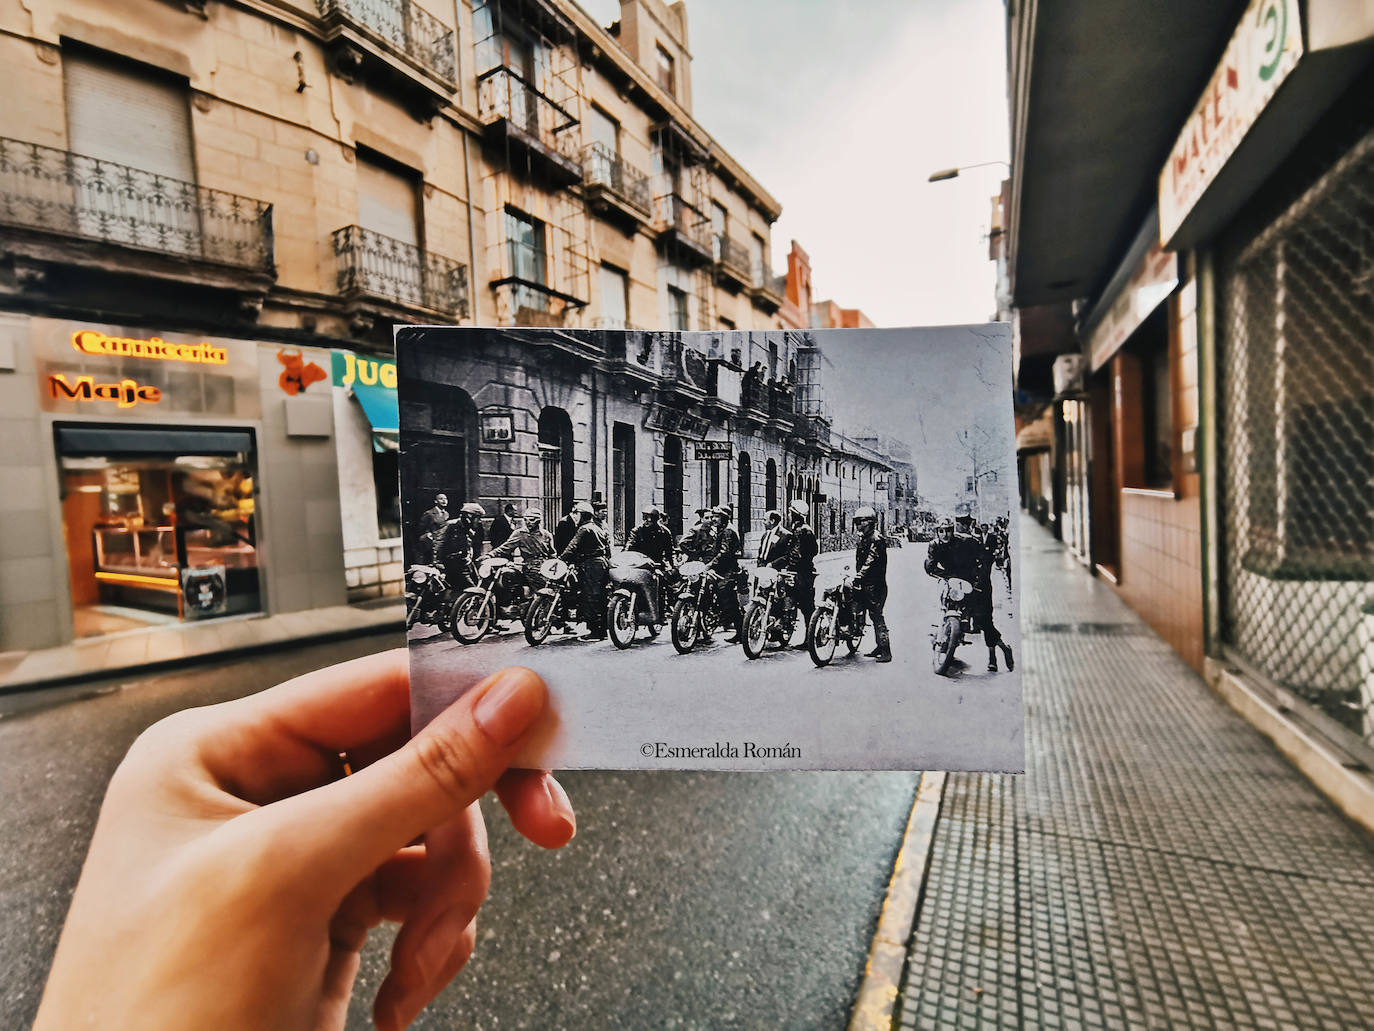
[{"x": 153, "y": 458}]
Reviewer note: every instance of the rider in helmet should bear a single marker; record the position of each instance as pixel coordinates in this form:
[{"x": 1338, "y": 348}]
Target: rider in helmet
[
  {"x": 964, "y": 556},
  {"x": 800, "y": 560},
  {"x": 724, "y": 562},
  {"x": 870, "y": 578},
  {"x": 474, "y": 513},
  {"x": 587, "y": 551},
  {"x": 651, "y": 537},
  {"x": 531, "y": 542}
]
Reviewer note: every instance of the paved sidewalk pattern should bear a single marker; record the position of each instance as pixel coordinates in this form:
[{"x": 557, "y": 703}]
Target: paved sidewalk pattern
[{"x": 1159, "y": 864}]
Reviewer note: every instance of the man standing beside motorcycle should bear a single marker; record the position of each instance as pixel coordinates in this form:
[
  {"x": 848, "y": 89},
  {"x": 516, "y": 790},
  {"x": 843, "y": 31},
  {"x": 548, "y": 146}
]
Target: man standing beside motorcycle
[
  {"x": 453, "y": 551},
  {"x": 870, "y": 578},
  {"x": 776, "y": 542},
  {"x": 800, "y": 560},
  {"x": 588, "y": 551},
  {"x": 724, "y": 562},
  {"x": 964, "y": 556}
]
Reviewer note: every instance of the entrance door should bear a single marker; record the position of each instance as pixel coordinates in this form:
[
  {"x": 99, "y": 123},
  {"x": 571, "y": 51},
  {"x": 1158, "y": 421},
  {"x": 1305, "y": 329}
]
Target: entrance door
[
  {"x": 622, "y": 479},
  {"x": 672, "y": 482}
]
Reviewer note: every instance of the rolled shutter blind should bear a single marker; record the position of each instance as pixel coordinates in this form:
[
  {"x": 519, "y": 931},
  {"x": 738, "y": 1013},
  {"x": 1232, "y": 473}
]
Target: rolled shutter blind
[
  {"x": 386, "y": 202},
  {"x": 116, "y": 114}
]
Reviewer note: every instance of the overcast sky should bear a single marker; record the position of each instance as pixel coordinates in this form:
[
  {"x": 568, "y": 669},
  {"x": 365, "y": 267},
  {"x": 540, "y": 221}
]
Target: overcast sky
[{"x": 842, "y": 115}]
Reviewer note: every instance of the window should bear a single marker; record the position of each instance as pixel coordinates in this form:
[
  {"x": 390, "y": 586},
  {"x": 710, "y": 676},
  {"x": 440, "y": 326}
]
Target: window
[
  {"x": 385, "y": 480},
  {"x": 1145, "y": 398},
  {"x": 526, "y": 258},
  {"x": 720, "y": 222},
  {"x": 677, "y": 309},
  {"x": 664, "y": 71},
  {"x": 615, "y": 298},
  {"x": 757, "y": 262},
  {"x": 388, "y": 200},
  {"x": 603, "y": 129}
]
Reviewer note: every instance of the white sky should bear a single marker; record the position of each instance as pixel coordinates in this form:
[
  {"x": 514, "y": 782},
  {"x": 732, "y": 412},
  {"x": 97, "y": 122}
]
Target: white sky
[{"x": 842, "y": 116}]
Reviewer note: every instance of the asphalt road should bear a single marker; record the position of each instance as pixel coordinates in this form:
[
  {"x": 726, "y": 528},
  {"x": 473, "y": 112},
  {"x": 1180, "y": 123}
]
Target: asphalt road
[
  {"x": 687, "y": 899},
  {"x": 853, "y": 714}
]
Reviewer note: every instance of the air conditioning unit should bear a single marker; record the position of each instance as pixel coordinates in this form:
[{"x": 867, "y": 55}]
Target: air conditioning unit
[{"x": 1068, "y": 373}]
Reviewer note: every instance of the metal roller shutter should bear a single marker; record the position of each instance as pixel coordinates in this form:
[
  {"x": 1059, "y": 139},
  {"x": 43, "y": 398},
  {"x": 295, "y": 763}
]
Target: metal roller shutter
[
  {"x": 115, "y": 114},
  {"x": 386, "y": 202}
]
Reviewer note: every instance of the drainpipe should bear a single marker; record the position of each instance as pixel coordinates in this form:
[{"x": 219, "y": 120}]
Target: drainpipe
[{"x": 472, "y": 239}]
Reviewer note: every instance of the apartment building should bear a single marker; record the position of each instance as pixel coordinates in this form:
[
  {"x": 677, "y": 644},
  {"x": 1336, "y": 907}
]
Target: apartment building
[{"x": 214, "y": 212}]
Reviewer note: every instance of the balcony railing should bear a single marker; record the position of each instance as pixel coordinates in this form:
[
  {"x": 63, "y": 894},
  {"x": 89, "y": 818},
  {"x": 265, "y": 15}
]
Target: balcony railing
[
  {"x": 56, "y": 191},
  {"x": 373, "y": 265},
  {"x": 416, "y": 33},
  {"x": 733, "y": 256},
  {"x": 504, "y": 96},
  {"x": 603, "y": 167}
]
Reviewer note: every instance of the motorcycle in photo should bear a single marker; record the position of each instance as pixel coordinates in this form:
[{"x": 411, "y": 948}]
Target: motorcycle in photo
[
  {"x": 427, "y": 597},
  {"x": 955, "y": 625},
  {"x": 696, "y": 613},
  {"x": 553, "y": 603},
  {"x": 500, "y": 594},
  {"x": 837, "y": 618},
  {"x": 771, "y": 614},
  {"x": 639, "y": 597}
]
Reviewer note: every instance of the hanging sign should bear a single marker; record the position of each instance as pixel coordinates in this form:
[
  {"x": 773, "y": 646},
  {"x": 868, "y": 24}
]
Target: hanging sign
[
  {"x": 1264, "y": 49},
  {"x": 498, "y": 427},
  {"x": 713, "y": 450}
]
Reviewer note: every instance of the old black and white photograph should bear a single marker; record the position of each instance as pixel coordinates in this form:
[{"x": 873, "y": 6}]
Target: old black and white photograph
[{"x": 734, "y": 550}]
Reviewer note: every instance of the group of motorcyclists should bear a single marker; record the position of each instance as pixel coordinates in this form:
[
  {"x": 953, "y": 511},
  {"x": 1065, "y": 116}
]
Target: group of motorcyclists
[{"x": 788, "y": 543}]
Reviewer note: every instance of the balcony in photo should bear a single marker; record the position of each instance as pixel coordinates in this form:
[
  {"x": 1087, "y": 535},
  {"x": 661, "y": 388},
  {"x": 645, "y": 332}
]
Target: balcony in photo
[
  {"x": 614, "y": 188},
  {"x": 529, "y": 126},
  {"x": 50, "y": 198},
  {"x": 391, "y": 273},
  {"x": 396, "y": 44}
]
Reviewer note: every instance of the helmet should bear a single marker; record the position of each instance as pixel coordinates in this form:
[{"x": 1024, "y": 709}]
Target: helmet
[
  {"x": 944, "y": 529},
  {"x": 721, "y": 511},
  {"x": 534, "y": 513},
  {"x": 472, "y": 508},
  {"x": 582, "y": 508},
  {"x": 653, "y": 512},
  {"x": 865, "y": 513},
  {"x": 798, "y": 508}
]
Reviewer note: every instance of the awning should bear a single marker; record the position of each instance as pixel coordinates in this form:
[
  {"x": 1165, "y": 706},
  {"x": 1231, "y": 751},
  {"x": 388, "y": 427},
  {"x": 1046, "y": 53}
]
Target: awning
[
  {"x": 1036, "y": 436},
  {"x": 380, "y": 407}
]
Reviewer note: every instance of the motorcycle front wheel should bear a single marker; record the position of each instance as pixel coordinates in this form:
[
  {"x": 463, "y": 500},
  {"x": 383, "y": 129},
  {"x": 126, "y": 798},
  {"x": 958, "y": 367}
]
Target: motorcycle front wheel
[
  {"x": 755, "y": 636},
  {"x": 620, "y": 620},
  {"x": 947, "y": 639},
  {"x": 471, "y": 618},
  {"x": 820, "y": 635},
  {"x": 683, "y": 626},
  {"x": 539, "y": 618}
]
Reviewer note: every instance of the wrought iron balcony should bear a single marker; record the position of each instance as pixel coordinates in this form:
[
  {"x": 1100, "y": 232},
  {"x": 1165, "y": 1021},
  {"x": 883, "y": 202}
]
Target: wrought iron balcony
[
  {"x": 56, "y": 191},
  {"x": 613, "y": 185},
  {"x": 380, "y": 267},
  {"x": 684, "y": 228},
  {"x": 401, "y": 25},
  {"x": 521, "y": 119},
  {"x": 732, "y": 262}
]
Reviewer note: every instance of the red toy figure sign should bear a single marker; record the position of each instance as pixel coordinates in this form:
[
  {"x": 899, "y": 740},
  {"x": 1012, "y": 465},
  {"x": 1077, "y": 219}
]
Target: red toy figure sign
[{"x": 298, "y": 374}]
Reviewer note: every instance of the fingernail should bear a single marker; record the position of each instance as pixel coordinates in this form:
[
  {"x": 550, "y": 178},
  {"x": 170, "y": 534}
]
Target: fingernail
[
  {"x": 558, "y": 798},
  {"x": 510, "y": 705},
  {"x": 440, "y": 941}
]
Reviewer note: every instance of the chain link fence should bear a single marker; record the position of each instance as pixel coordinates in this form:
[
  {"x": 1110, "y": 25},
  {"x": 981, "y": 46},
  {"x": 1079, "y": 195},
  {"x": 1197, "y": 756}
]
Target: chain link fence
[{"x": 1296, "y": 426}]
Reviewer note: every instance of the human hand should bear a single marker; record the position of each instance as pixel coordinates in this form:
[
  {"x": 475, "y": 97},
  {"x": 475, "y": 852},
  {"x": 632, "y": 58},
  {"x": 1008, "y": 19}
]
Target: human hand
[{"x": 234, "y": 872}]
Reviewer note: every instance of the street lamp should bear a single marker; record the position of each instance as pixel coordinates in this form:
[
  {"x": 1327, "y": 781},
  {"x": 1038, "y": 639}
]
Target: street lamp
[{"x": 953, "y": 173}]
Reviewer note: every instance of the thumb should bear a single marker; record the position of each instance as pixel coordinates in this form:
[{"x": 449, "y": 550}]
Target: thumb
[{"x": 352, "y": 826}]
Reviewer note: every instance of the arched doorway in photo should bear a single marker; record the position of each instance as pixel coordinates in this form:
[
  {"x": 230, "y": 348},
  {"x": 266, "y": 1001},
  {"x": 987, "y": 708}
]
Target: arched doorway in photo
[
  {"x": 443, "y": 459},
  {"x": 556, "y": 482}
]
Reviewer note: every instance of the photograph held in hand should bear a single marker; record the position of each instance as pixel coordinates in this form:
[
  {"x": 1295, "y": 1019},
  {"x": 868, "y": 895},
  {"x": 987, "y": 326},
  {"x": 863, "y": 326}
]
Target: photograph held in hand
[{"x": 784, "y": 549}]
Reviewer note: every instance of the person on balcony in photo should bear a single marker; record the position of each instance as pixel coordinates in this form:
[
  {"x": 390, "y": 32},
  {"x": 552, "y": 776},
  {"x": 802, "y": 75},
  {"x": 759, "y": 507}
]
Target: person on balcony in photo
[
  {"x": 587, "y": 551},
  {"x": 961, "y": 554},
  {"x": 800, "y": 560},
  {"x": 502, "y": 526},
  {"x": 724, "y": 562},
  {"x": 870, "y": 578}
]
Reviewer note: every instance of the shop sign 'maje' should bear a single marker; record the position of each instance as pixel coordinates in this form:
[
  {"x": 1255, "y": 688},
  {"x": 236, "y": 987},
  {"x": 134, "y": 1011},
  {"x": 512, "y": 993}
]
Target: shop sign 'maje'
[{"x": 125, "y": 394}]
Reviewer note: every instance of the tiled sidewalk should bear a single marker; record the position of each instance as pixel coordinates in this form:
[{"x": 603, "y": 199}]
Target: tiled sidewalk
[
  {"x": 1159, "y": 864},
  {"x": 185, "y": 643}
]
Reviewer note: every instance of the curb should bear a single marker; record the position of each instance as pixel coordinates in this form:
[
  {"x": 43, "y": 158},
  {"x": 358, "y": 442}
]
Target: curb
[
  {"x": 203, "y": 658},
  {"x": 875, "y": 1004}
]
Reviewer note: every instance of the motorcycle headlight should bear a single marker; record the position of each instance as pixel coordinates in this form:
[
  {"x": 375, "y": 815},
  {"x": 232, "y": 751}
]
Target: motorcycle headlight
[
  {"x": 956, "y": 591},
  {"x": 418, "y": 576}
]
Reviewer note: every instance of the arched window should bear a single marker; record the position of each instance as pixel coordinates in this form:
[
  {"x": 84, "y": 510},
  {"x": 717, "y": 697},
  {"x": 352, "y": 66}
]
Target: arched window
[
  {"x": 444, "y": 460},
  {"x": 555, "y": 463},
  {"x": 746, "y": 491},
  {"x": 770, "y": 485},
  {"x": 672, "y": 483}
]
